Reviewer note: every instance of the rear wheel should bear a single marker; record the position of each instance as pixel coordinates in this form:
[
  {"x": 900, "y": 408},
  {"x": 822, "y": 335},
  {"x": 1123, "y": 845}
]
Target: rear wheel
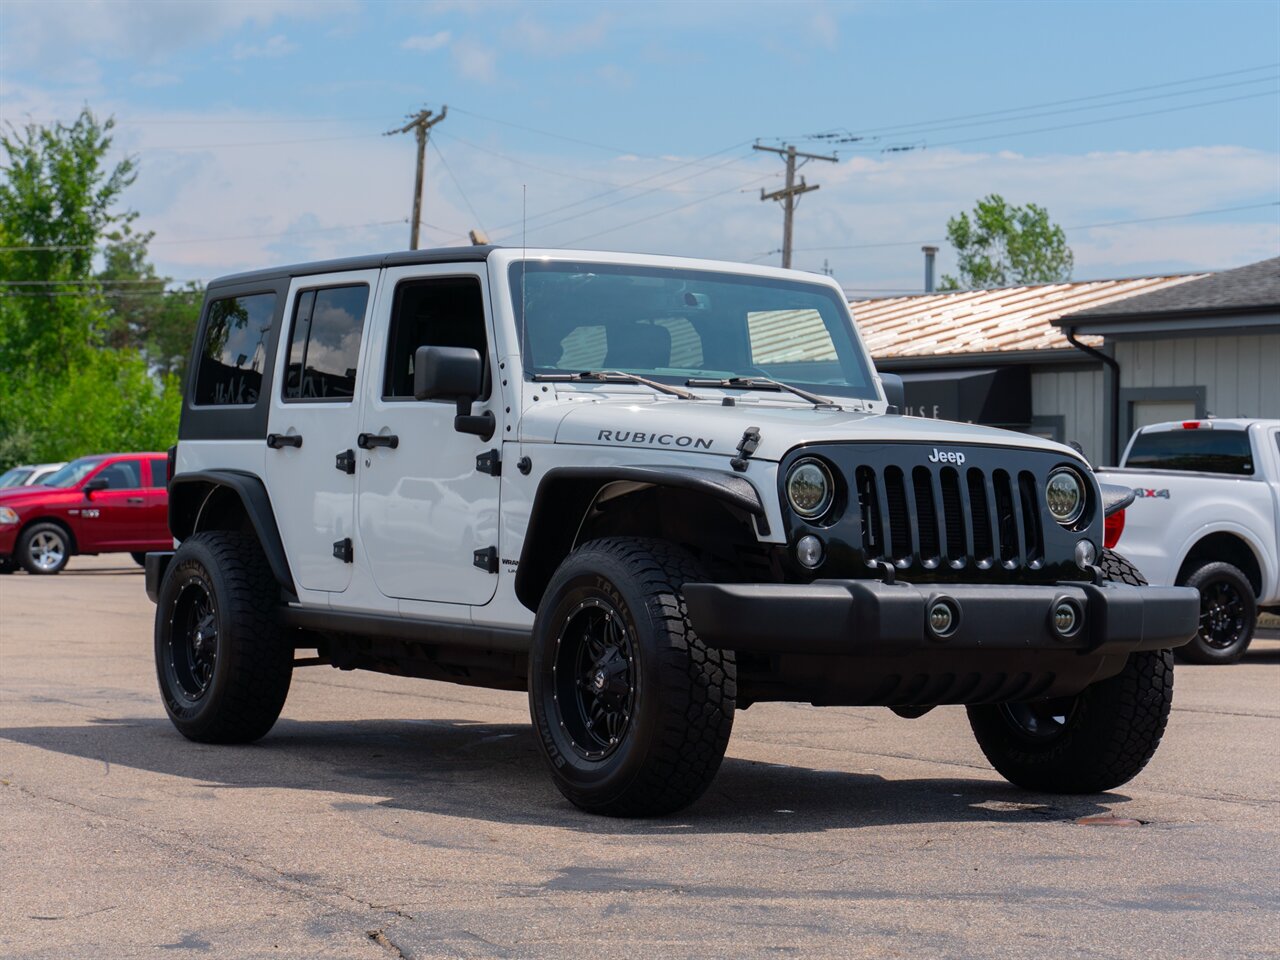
[
  {"x": 1094, "y": 741},
  {"x": 1228, "y": 615},
  {"x": 44, "y": 548},
  {"x": 633, "y": 712},
  {"x": 139, "y": 558},
  {"x": 223, "y": 662}
]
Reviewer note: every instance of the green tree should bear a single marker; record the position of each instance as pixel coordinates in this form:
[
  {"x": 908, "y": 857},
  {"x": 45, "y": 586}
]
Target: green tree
[
  {"x": 67, "y": 388},
  {"x": 1003, "y": 245}
]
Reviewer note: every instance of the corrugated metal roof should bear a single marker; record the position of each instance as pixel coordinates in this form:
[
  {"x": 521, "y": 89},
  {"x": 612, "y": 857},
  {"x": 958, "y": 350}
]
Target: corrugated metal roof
[{"x": 989, "y": 321}]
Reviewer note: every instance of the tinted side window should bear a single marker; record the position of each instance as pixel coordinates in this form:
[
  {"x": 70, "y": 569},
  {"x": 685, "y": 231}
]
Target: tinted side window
[
  {"x": 234, "y": 352},
  {"x": 324, "y": 344},
  {"x": 158, "y": 472},
  {"x": 122, "y": 475},
  {"x": 448, "y": 312},
  {"x": 1200, "y": 451}
]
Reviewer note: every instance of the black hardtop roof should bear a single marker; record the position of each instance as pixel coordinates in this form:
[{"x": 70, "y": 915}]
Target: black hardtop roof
[
  {"x": 1248, "y": 289},
  {"x": 373, "y": 261}
]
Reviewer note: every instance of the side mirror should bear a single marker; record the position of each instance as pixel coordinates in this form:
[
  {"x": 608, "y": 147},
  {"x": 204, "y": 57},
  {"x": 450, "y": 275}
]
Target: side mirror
[
  {"x": 894, "y": 391},
  {"x": 453, "y": 373},
  {"x": 94, "y": 485}
]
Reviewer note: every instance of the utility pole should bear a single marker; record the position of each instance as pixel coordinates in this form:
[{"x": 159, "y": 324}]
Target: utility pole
[
  {"x": 420, "y": 123},
  {"x": 791, "y": 191}
]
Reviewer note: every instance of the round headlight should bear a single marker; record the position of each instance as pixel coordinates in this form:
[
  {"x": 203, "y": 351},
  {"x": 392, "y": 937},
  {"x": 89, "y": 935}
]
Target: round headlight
[
  {"x": 810, "y": 488},
  {"x": 1064, "y": 495}
]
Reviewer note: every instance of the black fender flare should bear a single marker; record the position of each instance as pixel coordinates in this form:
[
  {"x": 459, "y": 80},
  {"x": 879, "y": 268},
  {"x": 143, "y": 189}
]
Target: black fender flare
[
  {"x": 553, "y": 527},
  {"x": 190, "y": 492}
]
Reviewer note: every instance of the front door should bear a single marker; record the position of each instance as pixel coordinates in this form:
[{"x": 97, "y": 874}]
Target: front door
[
  {"x": 312, "y": 425},
  {"x": 425, "y": 508},
  {"x": 112, "y": 517}
]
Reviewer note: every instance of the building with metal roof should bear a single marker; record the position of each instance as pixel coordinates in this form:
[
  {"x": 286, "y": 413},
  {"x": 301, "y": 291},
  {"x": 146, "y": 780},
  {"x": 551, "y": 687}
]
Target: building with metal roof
[{"x": 1086, "y": 361}]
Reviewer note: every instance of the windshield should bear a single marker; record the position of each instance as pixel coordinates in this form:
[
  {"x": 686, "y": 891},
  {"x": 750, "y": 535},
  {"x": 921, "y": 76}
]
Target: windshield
[
  {"x": 72, "y": 473},
  {"x": 1198, "y": 451},
  {"x": 14, "y": 477},
  {"x": 673, "y": 325}
]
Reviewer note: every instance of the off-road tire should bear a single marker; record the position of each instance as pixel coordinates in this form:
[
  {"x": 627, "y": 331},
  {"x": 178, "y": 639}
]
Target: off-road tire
[
  {"x": 6, "y": 565},
  {"x": 1111, "y": 729},
  {"x": 684, "y": 692},
  {"x": 1205, "y": 578},
  {"x": 37, "y": 530},
  {"x": 139, "y": 558},
  {"x": 253, "y": 665}
]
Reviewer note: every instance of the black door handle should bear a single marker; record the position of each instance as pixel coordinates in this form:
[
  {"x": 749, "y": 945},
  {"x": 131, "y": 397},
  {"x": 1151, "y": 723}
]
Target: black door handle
[
  {"x": 135, "y": 500},
  {"x": 367, "y": 441},
  {"x": 277, "y": 440}
]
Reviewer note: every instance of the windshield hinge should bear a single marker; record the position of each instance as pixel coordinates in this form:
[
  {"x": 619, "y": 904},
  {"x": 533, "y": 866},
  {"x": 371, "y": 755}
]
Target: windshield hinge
[{"x": 746, "y": 447}]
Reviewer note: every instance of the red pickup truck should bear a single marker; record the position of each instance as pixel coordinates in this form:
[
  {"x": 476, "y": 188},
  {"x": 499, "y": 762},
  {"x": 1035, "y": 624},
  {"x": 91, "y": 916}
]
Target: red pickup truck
[{"x": 110, "y": 503}]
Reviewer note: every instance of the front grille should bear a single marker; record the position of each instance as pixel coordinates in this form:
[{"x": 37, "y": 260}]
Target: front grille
[{"x": 950, "y": 517}]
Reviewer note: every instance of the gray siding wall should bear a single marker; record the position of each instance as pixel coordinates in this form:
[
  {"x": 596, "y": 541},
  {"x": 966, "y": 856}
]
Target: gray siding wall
[
  {"x": 1240, "y": 374},
  {"x": 1076, "y": 396}
]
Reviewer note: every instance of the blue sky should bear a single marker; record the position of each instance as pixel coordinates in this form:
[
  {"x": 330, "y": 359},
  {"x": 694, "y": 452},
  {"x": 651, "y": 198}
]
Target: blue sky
[{"x": 629, "y": 126}]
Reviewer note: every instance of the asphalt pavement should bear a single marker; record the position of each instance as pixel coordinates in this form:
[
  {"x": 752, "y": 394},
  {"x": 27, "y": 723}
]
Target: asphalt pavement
[{"x": 386, "y": 817}]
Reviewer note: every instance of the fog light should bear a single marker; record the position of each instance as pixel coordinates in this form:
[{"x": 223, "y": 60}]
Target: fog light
[
  {"x": 1066, "y": 619},
  {"x": 942, "y": 619},
  {"x": 809, "y": 551},
  {"x": 1086, "y": 553}
]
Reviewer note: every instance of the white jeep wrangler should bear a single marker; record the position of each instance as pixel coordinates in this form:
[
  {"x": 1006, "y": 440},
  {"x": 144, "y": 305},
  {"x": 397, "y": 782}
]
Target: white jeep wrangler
[{"x": 651, "y": 491}]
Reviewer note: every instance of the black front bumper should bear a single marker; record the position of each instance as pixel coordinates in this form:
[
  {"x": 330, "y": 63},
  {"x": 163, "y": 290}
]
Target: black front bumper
[{"x": 877, "y": 620}]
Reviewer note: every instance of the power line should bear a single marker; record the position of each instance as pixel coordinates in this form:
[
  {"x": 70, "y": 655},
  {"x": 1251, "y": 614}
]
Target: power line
[
  {"x": 248, "y": 236},
  {"x": 1057, "y": 103},
  {"x": 1082, "y": 226},
  {"x": 457, "y": 183}
]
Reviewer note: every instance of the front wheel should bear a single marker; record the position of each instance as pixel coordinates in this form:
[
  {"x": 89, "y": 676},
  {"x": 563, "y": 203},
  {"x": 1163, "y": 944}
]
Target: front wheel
[
  {"x": 223, "y": 662},
  {"x": 1094, "y": 741},
  {"x": 633, "y": 712},
  {"x": 44, "y": 548}
]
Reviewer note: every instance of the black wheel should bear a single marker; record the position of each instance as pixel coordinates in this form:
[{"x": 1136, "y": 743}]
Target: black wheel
[
  {"x": 633, "y": 712},
  {"x": 44, "y": 548},
  {"x": 1228, "y": 615},
  {"x": 6, "y": 566},
  {"x": 1094, "y": 741},
  {"x": 139, "y": 558},
  {"x": 222, "y": 660}
]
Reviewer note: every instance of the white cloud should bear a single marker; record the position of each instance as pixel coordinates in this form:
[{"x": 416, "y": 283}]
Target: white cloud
[
  {"x": 475, "y": 61},
  {"x": 151, "y": 79},
  {"x": 426, "y": 43},
  {"x": 272, "y": 48},
  {"x": 528, "y": 35}
]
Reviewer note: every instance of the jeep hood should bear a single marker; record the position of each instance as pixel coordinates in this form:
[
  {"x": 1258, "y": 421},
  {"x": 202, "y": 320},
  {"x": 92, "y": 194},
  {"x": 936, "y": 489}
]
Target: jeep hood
[{"x": 707, "y": 427}]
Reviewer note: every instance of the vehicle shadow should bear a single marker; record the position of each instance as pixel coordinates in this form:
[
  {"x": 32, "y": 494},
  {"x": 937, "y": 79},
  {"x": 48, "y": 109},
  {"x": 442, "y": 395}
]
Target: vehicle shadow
[{"x": 493, "y": 772}]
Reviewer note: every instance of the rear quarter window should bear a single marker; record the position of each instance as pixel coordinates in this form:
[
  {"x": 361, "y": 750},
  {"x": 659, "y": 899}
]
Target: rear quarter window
[
  {"x": 234, "y": 350},
  {"x": 1194, "y": 451}
]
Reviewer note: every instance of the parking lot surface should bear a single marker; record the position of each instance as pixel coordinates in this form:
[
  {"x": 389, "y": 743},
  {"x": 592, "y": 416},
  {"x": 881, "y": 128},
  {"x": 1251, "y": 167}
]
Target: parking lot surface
[{"x": 386, "y": 817}]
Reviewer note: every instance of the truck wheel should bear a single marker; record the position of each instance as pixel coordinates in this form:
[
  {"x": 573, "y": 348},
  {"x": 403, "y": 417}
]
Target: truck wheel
[
  {"x": 223, "y": 662},
  {"x": 6, "y": 565},
  {"x": 139, "y": 558},
  {"x": 1094, "y": 741},
  {"x": 44, "y": 548},
  {"x": 633, "y": 712},
  {"x": 1228, "y": 615}
]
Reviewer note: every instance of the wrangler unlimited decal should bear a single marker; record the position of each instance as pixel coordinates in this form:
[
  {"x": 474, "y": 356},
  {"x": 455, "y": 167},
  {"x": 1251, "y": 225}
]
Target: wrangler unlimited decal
[{"x": 660, "y": 439}]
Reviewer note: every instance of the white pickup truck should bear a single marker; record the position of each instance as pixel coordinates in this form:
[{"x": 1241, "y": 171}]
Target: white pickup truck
[{"x": 1206, "y": 514}]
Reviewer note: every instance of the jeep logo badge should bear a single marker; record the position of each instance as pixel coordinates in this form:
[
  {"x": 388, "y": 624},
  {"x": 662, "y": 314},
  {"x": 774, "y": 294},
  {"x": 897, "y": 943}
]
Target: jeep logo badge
[{"x": 942, "y": 456}]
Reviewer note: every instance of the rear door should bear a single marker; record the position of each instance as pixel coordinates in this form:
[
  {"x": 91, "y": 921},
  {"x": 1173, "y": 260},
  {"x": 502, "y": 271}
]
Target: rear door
[
  {"x": 312, "y": 425},
  {"x": 154, "y": 533},
  {"x": 425, "y": 509}
]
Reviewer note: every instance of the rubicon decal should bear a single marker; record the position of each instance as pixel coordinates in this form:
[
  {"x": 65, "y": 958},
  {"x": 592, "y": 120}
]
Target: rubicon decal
[
  {"x": 655, "y": 439},
  {"x": 944, "y": 456},
  {"x": 1143, "y": 494}
]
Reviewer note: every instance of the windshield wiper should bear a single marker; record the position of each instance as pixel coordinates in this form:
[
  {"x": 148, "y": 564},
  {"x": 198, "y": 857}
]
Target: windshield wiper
[
  {"x": 613, "y": 376},
  {"x": 764, "y": 383}
]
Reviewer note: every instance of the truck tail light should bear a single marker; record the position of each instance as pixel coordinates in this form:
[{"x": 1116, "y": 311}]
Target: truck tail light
[{"x": 1112, "y": 528}]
